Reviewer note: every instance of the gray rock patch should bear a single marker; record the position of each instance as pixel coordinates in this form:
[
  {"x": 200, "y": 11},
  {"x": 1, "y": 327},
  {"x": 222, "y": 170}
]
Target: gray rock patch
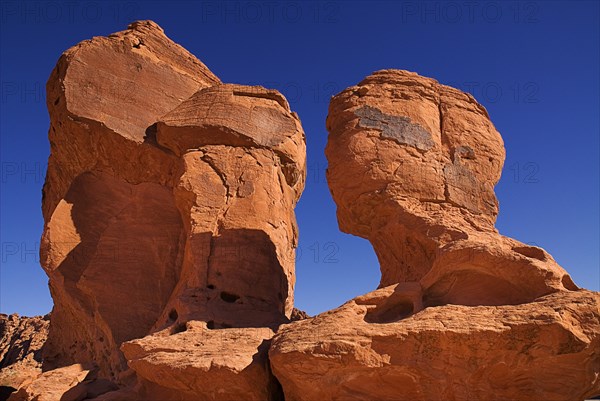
[{"x": 398, "y": 128}]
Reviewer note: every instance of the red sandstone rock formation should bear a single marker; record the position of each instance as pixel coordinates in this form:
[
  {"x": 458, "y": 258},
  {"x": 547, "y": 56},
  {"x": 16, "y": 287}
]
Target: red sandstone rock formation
[
  {"x": 52, "y": 385},
  {"x": 112, "y": 234},
  {"x": 168, "y": 204},
  {"x": 244, "y": 163},
  {"x": 462, "y": 312},
  {"x": 371, "y": 348},
  {"x": 204, "y": 364},
  {"x": 412, "y": 168},
  {"x": 21, "y": 341},
  {"x": 169, "y": 243}
]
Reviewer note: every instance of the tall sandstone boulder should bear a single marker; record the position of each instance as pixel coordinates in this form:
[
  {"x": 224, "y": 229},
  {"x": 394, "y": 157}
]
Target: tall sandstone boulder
[
  {"x": 412, "y": 168},
  {"x": 169, "y": 219},
  {"x": 462, "y": 312}
]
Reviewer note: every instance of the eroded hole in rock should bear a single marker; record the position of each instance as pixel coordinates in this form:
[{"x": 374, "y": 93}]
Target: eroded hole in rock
[
  {"x": 290, "y": 172},
  {"x": 138, "y": 43},
  {"x": 210, "y": 287},
  {"x": 433, "y": 301},
  {"x": 258, "y": 278},
  {"x": 464, "y": 152},
  {"x": 390, "y": 313},
  {"x": 6, "y": 391},
  {"x": 471, "y": 287},
  {"x": 568, "y": 283},
  {"x": 531, "y": 252},
  {"x": 229, "y": 297},
  {"x": 178, "y": 328},
  {"x": 212, "y": 325},
  {"x": 173, "y": 315}
]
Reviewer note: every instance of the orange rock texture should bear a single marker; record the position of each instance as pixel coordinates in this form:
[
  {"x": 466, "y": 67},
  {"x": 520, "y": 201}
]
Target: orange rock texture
[
  {"x": 21, "y": 342},
  {"x": 412, "y": 168},
  {"x": 170, "y": 235},
  {"x": 462, "y": 312},
  {"x": 169, "y": 201},
  {"x": 372, "y": 348}
]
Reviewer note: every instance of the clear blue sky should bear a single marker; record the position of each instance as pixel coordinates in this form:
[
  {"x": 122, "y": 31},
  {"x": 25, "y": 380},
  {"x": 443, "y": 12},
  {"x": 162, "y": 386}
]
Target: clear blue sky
[{"x": 534, "y": 65}]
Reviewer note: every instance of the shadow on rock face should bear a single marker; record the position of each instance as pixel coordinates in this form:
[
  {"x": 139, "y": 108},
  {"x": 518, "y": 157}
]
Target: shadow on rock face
[
  {"x": 117, "y": 244},
  {"x": 241, "y": 282},
  {"x": 470, "y": 287},
  {"x": 405, "y": 300},
  {"x": 114, "y": 244},
  {"x": 5, "y": 392}
]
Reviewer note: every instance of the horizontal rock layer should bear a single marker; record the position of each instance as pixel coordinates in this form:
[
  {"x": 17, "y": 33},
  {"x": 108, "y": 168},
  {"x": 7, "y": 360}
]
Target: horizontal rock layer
[{"x": 373, "y": 347}]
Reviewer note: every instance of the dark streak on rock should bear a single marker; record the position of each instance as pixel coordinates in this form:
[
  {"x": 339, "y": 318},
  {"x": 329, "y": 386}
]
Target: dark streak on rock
[{"x": 398, "y": 128}]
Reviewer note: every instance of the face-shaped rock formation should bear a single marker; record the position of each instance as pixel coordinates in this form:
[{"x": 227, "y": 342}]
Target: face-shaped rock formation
[
  {"x": 412, "y": 168},
  {"x": 169, "y": 197},
  {"x": 462, "y": 312},
  {"x": 244, "y": 163}
]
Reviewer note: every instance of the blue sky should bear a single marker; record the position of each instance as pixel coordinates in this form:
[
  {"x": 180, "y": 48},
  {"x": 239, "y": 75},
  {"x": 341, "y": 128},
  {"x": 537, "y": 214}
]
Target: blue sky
[{"x": 533, "y": 65}]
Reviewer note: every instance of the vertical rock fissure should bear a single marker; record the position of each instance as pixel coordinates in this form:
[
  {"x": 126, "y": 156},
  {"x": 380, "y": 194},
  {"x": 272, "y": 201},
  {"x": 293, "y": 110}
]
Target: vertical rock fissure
[
  {"x": 445, "y": 142},
  {"x": 220, "y": 218},
  {"x": 228, "y": 196}
]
